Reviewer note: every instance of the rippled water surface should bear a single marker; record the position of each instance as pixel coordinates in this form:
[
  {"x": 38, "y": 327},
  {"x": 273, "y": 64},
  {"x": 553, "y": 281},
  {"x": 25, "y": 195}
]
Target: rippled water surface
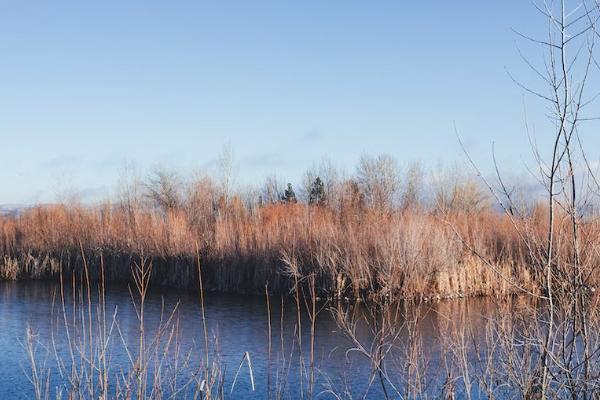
[{"x": 236, "y": 324}]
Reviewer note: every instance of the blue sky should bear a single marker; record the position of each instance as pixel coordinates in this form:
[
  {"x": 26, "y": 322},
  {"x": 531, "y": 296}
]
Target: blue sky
[{"x": 88, "y": 86}]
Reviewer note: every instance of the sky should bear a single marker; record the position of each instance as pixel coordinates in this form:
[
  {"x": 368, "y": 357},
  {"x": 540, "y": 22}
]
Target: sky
[{"x": 88, "y": 87}]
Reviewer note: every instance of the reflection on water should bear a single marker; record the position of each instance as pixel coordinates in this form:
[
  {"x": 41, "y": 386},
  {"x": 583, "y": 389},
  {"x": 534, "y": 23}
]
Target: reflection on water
[{"x": 239, "y": 323}]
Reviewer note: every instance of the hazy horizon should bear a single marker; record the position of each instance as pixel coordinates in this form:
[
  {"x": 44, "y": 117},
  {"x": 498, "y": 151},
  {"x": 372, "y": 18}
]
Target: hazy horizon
[{"x": 90, "y": 87}]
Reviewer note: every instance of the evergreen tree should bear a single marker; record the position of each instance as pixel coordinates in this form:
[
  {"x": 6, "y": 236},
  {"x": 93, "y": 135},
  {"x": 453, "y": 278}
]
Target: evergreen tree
[
  {"x": 289, "y": 196},
  {"x": 317, "y": 193}
]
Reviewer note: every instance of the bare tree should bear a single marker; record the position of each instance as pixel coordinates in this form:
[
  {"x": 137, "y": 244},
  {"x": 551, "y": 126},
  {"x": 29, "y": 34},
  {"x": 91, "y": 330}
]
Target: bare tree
[
  {"x": 455, "y": 191},
  {"x": 163, "y": 188},
  {"x": 412, "y": 188},
  {"x": 226, "y": 171},
  {"x": 130, "y": 191},
  {"x": 272, "y": 190},
  {"x": 326, "y": 171},
  {"x": 565, "y": 351},
  {"x": 379, "y": 180}
]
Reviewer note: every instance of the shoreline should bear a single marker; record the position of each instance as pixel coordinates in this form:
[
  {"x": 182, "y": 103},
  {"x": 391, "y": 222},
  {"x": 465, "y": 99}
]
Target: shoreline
[{"x": 219, "y": 277}]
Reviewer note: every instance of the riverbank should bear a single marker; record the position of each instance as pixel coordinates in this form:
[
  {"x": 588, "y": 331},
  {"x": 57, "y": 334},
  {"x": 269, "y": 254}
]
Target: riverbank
[
  {"x": 351, "y": 253},
  {"x": 182, "y": 272}
]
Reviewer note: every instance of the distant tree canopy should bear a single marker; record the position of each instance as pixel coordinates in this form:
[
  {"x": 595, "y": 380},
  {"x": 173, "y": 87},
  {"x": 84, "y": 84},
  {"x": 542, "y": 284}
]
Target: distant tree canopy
[
  {"x": 379, "y": 181},
  {"x": 411, "y": 193},
  {"x": 377, "y": 185},
  {"x": 317, "y": 195},
  {"x": 289, "y": 196},
  {"x": 270, "y": 192},
  {"x": 164, "y": 189}
]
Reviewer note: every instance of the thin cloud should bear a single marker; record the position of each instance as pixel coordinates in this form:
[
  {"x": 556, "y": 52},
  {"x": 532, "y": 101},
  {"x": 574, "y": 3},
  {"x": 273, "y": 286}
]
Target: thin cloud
[
  {"x": 109, "y": 162},
  {"x": 271, "y": 160},
  {"x": 62, "y": 161},
  {"x": 312, "y": 136}
]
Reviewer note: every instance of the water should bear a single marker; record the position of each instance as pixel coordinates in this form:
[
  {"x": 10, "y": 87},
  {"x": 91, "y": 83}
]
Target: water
[{"x": 236, "y": 324}]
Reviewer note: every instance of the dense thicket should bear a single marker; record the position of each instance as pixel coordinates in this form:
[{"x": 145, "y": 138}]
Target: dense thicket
[{"x": 373, "y": 234}]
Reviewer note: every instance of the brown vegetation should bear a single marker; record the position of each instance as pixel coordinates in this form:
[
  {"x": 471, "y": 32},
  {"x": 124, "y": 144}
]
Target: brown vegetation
[
  {"x": 355, "y": 249},
  {"x": 357, "y": 239}
]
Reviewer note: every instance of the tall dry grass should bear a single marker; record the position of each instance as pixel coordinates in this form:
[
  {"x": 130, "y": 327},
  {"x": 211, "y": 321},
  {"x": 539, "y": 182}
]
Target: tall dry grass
[{"x": 352, "y": 250}]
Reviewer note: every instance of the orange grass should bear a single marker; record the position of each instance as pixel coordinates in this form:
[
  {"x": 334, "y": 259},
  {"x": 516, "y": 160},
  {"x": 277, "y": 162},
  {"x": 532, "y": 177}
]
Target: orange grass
[{"x": 354, "y": 251}]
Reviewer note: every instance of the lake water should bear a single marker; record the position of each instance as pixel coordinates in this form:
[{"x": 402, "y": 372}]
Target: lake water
[{"x": 236, "y": 324}]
